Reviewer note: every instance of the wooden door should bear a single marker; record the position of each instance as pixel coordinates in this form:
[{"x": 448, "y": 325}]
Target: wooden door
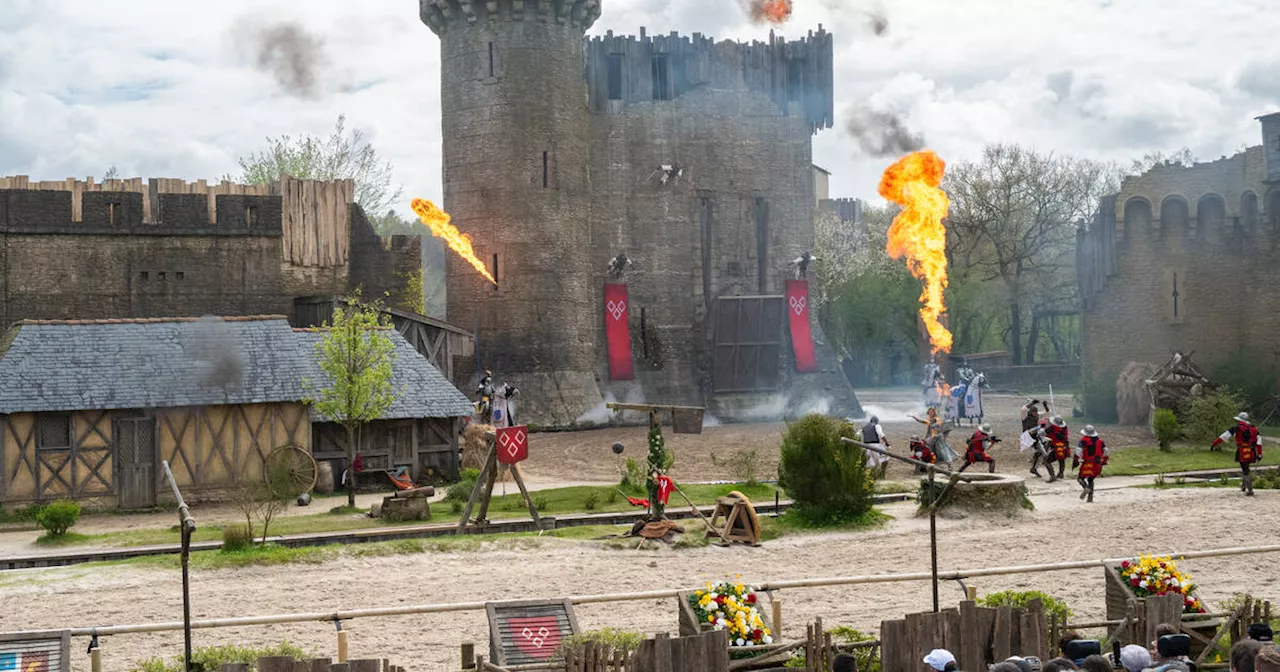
[
  {"x": 748, "y": 338},
  {"x": 135, "y": 441}
]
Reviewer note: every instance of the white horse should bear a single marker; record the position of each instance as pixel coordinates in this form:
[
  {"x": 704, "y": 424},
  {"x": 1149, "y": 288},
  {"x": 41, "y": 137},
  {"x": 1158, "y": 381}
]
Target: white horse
[{"x": 971, "y": 409}]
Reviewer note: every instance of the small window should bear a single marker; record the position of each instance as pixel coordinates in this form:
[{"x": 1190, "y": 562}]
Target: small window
[
  {"x": 180, "y": 275},
  {"x": 496, "y": 279},
  {"x": 145, "y": 276},
  {"x": 160, "y": 276},
  {"x": 54, "y": 431},
  {"x": 615, "y": 76},
  {"x": 546, "y": 170},
  {"x": 490, "y": 59},
  {"x": 251, "y": 216},
  {"x": 113, "y": 214},
  {"x": 661, "y": 80}
]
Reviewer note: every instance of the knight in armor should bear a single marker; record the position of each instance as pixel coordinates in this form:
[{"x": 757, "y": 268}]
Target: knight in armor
[
  {"x": 873, "y": 435},
  {"x": 1090, "y": 454},
  {"x": 486, "y": 390},
  {"x": 964, "y": 373},
  {"x": 979, "y": 444},
  {"x": 1248, "y": 448},
  {"x": 932, "y": 374},
  {"x": 1040, "y": 448},
  {"x": 1059, "y": 440}
]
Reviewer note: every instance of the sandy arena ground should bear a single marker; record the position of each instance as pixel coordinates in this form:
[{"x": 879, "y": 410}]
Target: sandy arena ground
[{"x": 1122, "y": 522}]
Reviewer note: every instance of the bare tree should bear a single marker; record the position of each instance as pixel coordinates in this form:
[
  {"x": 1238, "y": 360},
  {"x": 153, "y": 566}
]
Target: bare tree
[
  {"x": 1184, "y": 158},
  {"x": 334, "y": 158},
  {"x": 1014, "y": 215}
]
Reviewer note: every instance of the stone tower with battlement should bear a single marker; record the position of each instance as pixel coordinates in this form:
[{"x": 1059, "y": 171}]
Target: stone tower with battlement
[{"x": 692, "y": 157}]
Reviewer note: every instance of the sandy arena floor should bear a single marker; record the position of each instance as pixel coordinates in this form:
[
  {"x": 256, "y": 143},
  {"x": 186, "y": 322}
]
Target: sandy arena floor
[{"x": 1122, "y": 522}]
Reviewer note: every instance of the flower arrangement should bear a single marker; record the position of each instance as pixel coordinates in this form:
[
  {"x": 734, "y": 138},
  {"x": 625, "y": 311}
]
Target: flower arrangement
[
  {"x": 1149, "y": 575},
  {"x": 732, "y": 606}
]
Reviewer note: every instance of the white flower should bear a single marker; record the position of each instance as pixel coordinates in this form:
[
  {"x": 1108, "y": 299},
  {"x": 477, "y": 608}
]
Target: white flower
[
  {"x": 739, "y": 641},
  {"x": 768, "y": 639}
]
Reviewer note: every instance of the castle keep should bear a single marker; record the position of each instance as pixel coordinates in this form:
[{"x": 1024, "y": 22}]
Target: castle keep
[
  {"x": 691, "y": 157},
  {"x": 1184, "y": 258}
]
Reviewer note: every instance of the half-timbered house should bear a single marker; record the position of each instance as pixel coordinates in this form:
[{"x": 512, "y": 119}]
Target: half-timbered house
[{"x": 89, "y": 408}]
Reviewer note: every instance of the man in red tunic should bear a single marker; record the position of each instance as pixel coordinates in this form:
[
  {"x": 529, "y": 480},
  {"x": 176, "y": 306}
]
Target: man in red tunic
[
  {"x": 1059, "y": 446},
  {"x": 977, "y": 449},
  {"x": 1248, "y": 448},
  {"x": 1090, "y": 455},
  {"x": 920, "y": 451}
]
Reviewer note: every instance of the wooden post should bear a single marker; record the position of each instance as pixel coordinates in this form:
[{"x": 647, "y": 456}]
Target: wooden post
[
  {"x": 776, "y": 604},
  {"x": 971, "y": 592},
  {"x": 524, "y": 492},
  {"x": 468, "y": 655},
  {"x": 483, "y": 517},
  {"x": 95, "y": 658},
  {"x": 342, "y": 646},
  {"x": 275, "y": 664},
  {"x": 364, "y": 665},
  {"x": 481, "y": 482},
  {"x": 662, "y": 651},
  {"x": 235, "y": 667},
  {"x": 318, "y": 665}
]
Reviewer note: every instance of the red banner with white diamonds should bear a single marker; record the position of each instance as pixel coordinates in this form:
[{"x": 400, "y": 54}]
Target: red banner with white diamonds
[
  {"x": 617, "y": 332},
  {"x": 801, "y": 336}
]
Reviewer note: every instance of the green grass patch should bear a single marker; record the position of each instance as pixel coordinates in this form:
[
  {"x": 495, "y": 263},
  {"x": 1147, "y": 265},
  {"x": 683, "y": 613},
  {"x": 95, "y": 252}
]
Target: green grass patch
[
  {"x": 68, "y": 539},
  {"x": 1143, "y": 461},
  {"x": 214, "y": 657},
  {"x": 772, "y": 527}
]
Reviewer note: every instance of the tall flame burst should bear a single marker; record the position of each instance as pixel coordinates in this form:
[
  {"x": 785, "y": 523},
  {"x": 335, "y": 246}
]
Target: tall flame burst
[
  {"x": 773, "y": 11},
  {"x": 919, "y": 235},
  {"x": 438, "y": 221}
]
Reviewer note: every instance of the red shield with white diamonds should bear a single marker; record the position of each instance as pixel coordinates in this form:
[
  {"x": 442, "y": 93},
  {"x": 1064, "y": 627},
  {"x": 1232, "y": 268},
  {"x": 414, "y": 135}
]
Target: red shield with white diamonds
[
  {"x": 536, "y": 636},
  {"x": 513, "y": 444}
]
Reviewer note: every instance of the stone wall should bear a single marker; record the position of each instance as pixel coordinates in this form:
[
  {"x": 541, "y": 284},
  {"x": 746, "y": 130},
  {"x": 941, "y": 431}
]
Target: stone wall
[
  {"x": 1194, "y": 267},
  {"x": 112, "y": 264}
]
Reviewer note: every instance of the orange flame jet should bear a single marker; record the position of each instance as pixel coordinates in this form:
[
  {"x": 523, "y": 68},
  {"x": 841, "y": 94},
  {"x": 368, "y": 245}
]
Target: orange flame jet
[
  {"x": 919, "y": 235},
  {"x": 776, "y": 11},
  {"x": 438, "y": 221}
]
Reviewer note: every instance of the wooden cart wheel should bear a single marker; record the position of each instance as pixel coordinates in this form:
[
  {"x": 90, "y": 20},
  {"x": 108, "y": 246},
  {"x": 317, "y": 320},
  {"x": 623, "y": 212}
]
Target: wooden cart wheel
[{"x": 300, "y": 464}]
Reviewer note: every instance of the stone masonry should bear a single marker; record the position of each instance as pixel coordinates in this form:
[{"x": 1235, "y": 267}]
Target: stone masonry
[
  {"x": 1184, "y": 258},
  {"x": 553, "y": 168}
]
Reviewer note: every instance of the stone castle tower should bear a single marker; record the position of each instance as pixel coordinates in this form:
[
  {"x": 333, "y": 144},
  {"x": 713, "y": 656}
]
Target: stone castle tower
[{"x": 692, "y": 157}]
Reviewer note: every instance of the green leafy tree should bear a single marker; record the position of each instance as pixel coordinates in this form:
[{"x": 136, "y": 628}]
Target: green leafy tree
[
  {"x": 356, "y": 356},
  {"x": 337, "y": 157},
  {"x": 659, "y": 462},
  {"x": 826, "y": 478}
]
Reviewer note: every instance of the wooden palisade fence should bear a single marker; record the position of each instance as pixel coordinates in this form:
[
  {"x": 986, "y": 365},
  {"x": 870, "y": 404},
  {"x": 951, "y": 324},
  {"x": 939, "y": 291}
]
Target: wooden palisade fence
[
  {"x": 976, "y": 635},
  {"x": 288, "y": 664},
  {"x": 707, "y": 652}
]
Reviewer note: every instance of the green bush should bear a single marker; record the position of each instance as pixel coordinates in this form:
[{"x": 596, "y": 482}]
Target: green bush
[
  {"x": 1015, "y": 598},
  {"x": 236, "y": 538},
  {"x": 541, "y": 502},
  {"x": 1165, "y": 424},
  {"x": 632, "y": 475},
  {"x": 1251, "y": 374},
  {"x": 1207, "y": 416},
  {"x": 868, "y": 660},
  {"x": 1100, "y": 398},
  {"x": 58, "y": 517},
  {"x": 461, "y": 491},
  {"x": 590, "y": 500},
  {"x": 614, "y": 640},
  {"x": 827, "y": 479},
  {"x": 214, "y": 657}
]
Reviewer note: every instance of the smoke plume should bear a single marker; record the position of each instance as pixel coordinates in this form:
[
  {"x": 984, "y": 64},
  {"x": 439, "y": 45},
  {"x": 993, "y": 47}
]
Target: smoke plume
[
  {"x": 878, "y": 22},
  {"x": 287, "y": 52},
  {"x": 881, "y": 133},
  {"x": 214, "y": 346}
]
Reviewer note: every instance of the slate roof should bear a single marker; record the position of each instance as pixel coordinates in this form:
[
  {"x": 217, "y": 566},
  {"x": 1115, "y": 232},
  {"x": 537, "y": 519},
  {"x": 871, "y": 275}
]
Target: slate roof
[{"x": 173, "y": 362}]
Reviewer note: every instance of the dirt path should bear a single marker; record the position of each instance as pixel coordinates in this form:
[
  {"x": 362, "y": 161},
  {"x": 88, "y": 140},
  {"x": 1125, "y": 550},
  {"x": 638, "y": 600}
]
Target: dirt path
[{"x": 1122, "y": 522}]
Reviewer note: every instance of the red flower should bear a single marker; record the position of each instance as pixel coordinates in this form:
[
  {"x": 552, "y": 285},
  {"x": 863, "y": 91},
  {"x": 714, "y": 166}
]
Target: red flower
[
  {"x": 751, "y": 599},
  {"x": 1125, "y": 564},
  {"x": 1135, "y": 580},
  {"x": 719, "y": 599},
  {"x": 757, "y": 634}
]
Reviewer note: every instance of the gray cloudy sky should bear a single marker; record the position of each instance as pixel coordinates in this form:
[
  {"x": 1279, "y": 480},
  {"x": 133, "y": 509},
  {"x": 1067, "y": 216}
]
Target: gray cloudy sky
[{"x": 164, "y": 88}]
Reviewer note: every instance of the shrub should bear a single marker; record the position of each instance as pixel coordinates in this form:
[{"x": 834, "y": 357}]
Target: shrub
[
  {"x": 868, "y": 660},
  {"x": 589, "y": 502},
  {"x": 461, "y": 491},
  {"x": 214, "y": 657},
  {"x": 1205, "y": 417},
  {"x": 236, "y": 538},
  {"x": 632, "y": 474},
  {"x": 1167, "y": 429},
  {"x": 827, "y": 479},
  {"x": 540, "y": 503},
  {"x": 1015, "y": 598},
  {"x": 58, "y": 517},
  {"x": 614, "y": 640}
]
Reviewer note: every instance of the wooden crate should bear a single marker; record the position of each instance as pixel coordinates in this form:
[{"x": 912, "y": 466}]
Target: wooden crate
[
  {"x": 691, "y": 626},
  {"x": 1120, "y": 599}
]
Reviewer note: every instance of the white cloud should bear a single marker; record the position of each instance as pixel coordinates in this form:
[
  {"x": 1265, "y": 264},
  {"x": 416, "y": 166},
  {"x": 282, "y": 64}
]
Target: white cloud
[{"x": 158, "y": 88}]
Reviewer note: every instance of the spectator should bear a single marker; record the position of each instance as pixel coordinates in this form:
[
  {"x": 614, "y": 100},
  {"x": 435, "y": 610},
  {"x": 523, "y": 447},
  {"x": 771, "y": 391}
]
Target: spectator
[
  {"x": 1067, "y": 638},
  {"x": 847, "y": 663},
  {"x": 941, "y": 660},
  {"x": 1096, "y": 663},
  {"x": 1022, "y": 663},
  {"x": 1243, "y": 654},
  {"x": 1268, "y": 660},
  {"x": 1135, "y": 658},
  {"x": 1059, "y": 665},
  {"x": 1164, "y": 659},
  {"x": 1260, "y": 632},
  {"x": 1005, "y": 666}
]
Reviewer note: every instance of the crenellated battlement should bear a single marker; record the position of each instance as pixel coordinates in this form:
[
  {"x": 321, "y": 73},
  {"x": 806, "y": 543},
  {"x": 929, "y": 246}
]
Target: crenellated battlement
[
  {"x": 796, "y": 74},
  {"x": 438, "y": 14},
  {"x": 121, "y": 213}
]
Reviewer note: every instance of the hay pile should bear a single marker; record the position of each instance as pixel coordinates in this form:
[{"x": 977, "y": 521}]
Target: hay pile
[
  {"x": 475, "y": 449},
  {"x": 1133, "y": 401}
]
